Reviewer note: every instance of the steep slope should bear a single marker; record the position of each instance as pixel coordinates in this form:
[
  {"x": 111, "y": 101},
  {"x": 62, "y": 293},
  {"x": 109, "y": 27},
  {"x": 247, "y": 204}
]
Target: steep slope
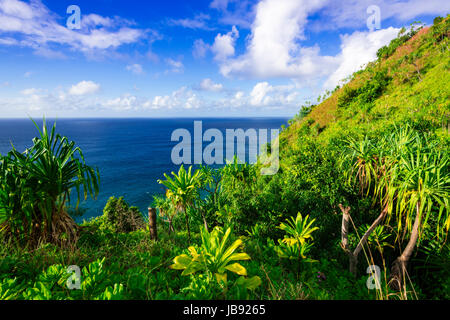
[{"x": 410, "y": 81}]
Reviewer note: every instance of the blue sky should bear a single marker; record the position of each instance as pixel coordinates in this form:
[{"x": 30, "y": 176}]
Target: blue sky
[{"x": 188, "y": 58}]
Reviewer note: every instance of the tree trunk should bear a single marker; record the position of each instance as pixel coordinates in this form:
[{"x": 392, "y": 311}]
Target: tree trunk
[
  {"x": 204, "y": 219},
  {"x": 353, "y": 256},
  {"x": 344, "y": 237},
  {"x": 162, "y": 213},
  {"x": 363, "y": 240},
  {"x": 344, "y": 227},
  {"x": 398, "y": 269},
  {"x": 171, "y": 228},
  {"x": 152, "y": 223}
]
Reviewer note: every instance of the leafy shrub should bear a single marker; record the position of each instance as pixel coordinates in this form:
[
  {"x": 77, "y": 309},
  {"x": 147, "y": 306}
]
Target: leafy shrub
[
  {"x": 370, "y": 91},
  {"x": 346, "y": 97},
  {"x": 304, "y": 111},
  {"x": 403, "y": 36},
  {"x": 215, "y": 258},
  {"x": 297, "y": 243},
  {"x": 378, "y": 239},
  {"x": 182, "y": 190},
  {"x": 36, "y": 188},
  {"x": 440, "y": 28},
  {"x": 374, "y": 88},
  {"x": 51, "y": 284},
  {"x": 202, "y": 287},
  {"x": 10, "y": 289}
]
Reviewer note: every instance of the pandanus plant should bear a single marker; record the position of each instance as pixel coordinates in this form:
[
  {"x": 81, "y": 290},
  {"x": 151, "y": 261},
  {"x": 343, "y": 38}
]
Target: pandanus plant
[
  {"x": 419, "y": 188},
  {"x": 415, "y": 189},
  {"x": 182, "y": 190},
  {"x": 411, "y": 182},
  {"x": 364, "y": 165},
  {"x": 37, "y": 186}
]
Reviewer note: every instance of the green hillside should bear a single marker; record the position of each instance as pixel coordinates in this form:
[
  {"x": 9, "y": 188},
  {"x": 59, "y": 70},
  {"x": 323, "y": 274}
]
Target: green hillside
[{"x": 409, "y": 82}]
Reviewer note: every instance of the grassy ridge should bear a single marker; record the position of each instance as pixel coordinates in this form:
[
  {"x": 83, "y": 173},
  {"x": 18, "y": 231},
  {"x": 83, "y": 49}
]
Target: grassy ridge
[{"x": 417, "y": 89}]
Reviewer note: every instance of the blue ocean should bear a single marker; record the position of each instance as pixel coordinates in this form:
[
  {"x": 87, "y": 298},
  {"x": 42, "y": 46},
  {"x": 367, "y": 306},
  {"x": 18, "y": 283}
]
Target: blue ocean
[{"x": 131, "y": 154}]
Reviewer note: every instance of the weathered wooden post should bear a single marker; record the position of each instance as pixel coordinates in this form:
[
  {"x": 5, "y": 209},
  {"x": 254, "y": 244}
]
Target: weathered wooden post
[{"x": 152, "y": 223}]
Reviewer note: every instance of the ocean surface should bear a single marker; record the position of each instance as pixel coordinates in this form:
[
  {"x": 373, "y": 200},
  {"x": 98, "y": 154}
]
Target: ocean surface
[{"x": 131, "y": 154}]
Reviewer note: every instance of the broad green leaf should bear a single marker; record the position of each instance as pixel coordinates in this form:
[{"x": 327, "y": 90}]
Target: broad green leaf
[
  {"x": 250, "y": 283},
  {"x": 237, "y": 268},
  {"x": 221, "y": 277},
  {"x": 239, "y": 256}
]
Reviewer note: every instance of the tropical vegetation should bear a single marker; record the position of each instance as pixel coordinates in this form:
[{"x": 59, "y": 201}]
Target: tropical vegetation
[{"x": 363, "y": 181}]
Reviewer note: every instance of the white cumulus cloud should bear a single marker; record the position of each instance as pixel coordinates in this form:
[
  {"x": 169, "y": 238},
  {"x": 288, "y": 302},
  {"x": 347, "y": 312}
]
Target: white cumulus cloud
[
  {"x": 84, "y": 88},
  {"x": 176, "y": 66},
  {"x": 259, "y": 92},
  {"x": 135, "y": 68},
  {"x": 35, "y": 26},
  {"x": 358, "y": 49},
  {"x": 30, "y": 91},
  {"x": 223, "y": 46},
  {"x": 179, "y": 99},
  {"x": 273, "y": 49},
  {"x": 198, "y": 22},
  {"x": 209, "y": 85},
  {"x": 200, "y": 49}
]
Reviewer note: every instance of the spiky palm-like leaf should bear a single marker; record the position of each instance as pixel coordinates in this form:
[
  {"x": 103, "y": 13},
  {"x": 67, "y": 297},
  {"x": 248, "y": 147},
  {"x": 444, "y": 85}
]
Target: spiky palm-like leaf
[
  {"x": 295, "y": 244},
  {"x": 298, "y": 229},
  {"x": 182, "y": 190},
  {"x": 38, "y": 184},
  {"x": 182, "y": 186},
  {"x": 420, "y": 185},
  {"x": 214, "y": 256}
]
